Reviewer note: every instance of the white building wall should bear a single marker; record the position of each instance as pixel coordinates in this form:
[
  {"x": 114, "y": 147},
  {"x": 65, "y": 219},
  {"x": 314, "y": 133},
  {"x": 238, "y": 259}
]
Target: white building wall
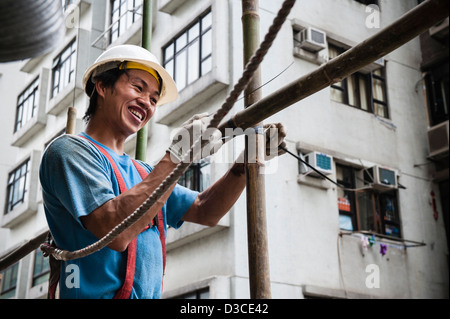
[
  {"x": 306, "y": 253},
  {"x": 9, "y": 93}
]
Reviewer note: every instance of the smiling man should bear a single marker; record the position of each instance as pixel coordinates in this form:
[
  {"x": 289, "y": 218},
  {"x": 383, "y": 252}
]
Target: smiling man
[{"x": 90, "y": 185}]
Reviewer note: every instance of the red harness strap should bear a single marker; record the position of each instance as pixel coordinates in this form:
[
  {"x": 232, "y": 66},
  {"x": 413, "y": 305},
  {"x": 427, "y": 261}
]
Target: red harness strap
[
  {"x": 125, "y": 291},
  {"x": 160, "y": 220}
]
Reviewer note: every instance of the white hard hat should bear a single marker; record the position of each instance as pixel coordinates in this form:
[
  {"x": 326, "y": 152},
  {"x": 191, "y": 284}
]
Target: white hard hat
[{"x": 115, "y": 56}]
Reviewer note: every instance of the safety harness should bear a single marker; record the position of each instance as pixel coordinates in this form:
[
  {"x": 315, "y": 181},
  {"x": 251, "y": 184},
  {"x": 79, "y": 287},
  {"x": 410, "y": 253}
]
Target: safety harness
[{"x": 125, "y": 291}]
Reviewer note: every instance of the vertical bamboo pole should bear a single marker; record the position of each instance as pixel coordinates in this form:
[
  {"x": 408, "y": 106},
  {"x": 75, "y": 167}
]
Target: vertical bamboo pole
[
  {"x": 258, "y": 258},
  {"x": 142, "y": 134},
  {"x": 71, "y": 120}
]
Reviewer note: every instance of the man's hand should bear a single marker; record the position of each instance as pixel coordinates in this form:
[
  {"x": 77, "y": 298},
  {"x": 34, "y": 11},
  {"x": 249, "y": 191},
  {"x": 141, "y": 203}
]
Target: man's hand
[
  {"x": 274, "y": 134},
  {"x": 190, "y": 131}
]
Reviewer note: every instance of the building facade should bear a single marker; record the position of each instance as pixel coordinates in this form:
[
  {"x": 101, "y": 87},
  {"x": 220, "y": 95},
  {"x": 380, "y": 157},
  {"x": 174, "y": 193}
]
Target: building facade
[{"x": 379, "y": 230}]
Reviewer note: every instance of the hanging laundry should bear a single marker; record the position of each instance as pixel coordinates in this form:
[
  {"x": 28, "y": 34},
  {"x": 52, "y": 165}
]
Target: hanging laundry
[
  {"x": 383, "y": 249},
  {"x": 371, "y": 240},
  {"x": 364, "y": 242}
]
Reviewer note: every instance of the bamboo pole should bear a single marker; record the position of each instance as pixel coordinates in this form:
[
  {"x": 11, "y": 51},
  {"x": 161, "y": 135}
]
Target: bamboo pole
[
  {"x": 71, "y": 120},
  {"x": 142, "y": 134},
  {"x": 407, "y": 27},
  {"x": 258, "y": 258},
  {"x": 17, "y": 254}
]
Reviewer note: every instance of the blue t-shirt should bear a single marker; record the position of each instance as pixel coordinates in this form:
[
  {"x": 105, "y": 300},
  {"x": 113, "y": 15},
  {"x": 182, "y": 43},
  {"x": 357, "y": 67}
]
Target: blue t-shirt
[{"x": 76, "y": 179}]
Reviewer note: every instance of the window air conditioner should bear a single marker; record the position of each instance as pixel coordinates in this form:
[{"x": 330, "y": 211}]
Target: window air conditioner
[
  {"x": 381, "y": 178},
  {"x": 311, "y": 39},
  {"x": 321, "y": 162},
  {"x": 438, "y": 140},
  {"x": 440, "y": 30}
]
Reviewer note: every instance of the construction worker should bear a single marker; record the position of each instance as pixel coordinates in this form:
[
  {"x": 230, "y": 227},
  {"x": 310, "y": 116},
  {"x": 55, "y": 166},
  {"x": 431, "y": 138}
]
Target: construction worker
[{"x": 90, "y": 185}]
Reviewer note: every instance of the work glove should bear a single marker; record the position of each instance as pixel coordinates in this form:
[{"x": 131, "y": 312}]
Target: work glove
[
  {"x": 184, "y": 137},
  {"x": 274, "y": 134}
]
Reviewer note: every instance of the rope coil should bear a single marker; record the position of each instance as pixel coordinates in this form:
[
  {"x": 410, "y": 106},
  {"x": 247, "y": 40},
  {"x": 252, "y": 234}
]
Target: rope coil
[{"x": 240, "y": 86}]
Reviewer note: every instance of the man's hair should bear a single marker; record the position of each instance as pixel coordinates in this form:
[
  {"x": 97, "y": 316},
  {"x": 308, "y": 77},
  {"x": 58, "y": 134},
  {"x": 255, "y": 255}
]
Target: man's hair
[{"x": 109, "y": 79}]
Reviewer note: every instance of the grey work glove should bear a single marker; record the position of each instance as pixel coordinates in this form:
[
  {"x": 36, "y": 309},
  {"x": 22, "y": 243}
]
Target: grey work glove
[
  {"x": 190, "y": 131},
  {"x": 274, "y": 134}
]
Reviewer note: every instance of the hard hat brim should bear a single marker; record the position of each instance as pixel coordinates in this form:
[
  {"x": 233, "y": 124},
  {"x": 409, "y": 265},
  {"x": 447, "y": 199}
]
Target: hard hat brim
[{"x": 169, "y": 91}]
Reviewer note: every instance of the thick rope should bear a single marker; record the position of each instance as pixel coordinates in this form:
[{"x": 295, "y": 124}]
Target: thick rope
[{"x": 173, "y": 177}]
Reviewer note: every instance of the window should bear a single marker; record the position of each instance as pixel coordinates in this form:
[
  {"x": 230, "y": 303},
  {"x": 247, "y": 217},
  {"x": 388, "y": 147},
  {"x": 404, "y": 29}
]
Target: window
[
  {"x": 63, "y": 68},
  {"x": 27, "y": 104},
  {"x": 378, "y": 212},
  {"x": 124, "y": 13},
  {"x": 357, "y": 93},
  {"x": 338, "y": 90},
  {"x": 365, "y": 209},
  {"x": 437, "y": 87},
  {"x": 17, "y": 186},
  {"x": 9, "y": 281},
  {"x": 197, "y": 177},
  {"x": 346, "y": 199},
  {"x": 41, "y": 268},
  {"x": 189, "y": 55},
  {"x": 365, "y": 91},
  {"x": 378, "y": 90}
]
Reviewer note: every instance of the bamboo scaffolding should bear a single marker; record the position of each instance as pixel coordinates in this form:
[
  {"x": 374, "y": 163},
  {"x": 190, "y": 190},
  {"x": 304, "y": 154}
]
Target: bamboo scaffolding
[
  {"x": 258, "y": 256},
  {"x": 407, "y": 27},
  {"x": 14, "y": 255},
  {"x": 410, "y": 25},
  {"x": 142, "y": 134}
]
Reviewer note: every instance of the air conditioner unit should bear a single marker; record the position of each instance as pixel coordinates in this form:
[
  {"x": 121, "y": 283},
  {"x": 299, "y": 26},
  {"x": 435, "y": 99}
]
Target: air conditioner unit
[
  {"x": 373, "y": 66},
  {"x": 440, "y": 30},
  {"x": 321, "y": 162},
  {"x": 438, "y": 140},
  {"x": 381, "y": 178},
  {"x": 311, "y": 39}
]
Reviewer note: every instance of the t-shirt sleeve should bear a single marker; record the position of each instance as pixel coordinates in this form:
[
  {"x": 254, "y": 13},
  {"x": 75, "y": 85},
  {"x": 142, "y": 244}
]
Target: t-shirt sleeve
[
  {"x": 178, "y": 204},
  {"x": 75, "y": 174}
]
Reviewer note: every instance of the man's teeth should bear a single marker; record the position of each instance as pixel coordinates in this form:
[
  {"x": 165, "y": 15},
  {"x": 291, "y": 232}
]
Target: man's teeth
[{"x": 137, "y": 114}]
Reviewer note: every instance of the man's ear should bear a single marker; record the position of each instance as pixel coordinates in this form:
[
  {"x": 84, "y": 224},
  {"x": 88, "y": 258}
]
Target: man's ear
[{"x": 101, "y": 89}]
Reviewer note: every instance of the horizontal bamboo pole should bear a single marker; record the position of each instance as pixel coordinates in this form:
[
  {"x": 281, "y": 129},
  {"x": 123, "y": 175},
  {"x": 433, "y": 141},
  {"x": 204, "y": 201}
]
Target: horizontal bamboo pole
[
  {"x": 407, "y": 27},
  {"x": 14, "y": 256}
]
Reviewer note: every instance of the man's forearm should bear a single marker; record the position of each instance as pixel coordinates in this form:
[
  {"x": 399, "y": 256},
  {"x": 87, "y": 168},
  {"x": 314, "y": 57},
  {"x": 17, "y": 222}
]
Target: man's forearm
[
  {"x": 213, "y": 203},
  {"x": 113, "y": 212}
]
